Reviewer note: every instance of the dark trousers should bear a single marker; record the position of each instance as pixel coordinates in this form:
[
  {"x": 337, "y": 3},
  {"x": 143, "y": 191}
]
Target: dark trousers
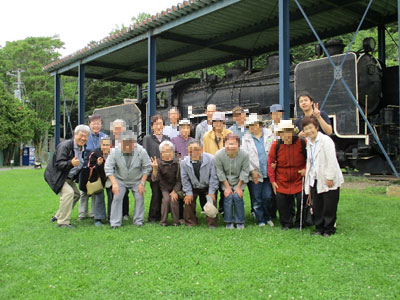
[
  {"x": 125, "y": 203},
  {"x": 155, "y": 203},
  {"x": 273, "y": 208},
  {"x": 190, "y": 210},
  {"x": 325, "y": 209},
  {"x": 251, "y": 199},
  {"x": 285, "y": 203},
  {"x": 167, "y": 205}
]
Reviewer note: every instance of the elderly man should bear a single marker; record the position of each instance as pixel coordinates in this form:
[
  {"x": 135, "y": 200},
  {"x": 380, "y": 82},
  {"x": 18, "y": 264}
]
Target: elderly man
[
  {"x": 171, "y": 130},
  {"x": 257, "y": 144},
  {"x": 63, "y": 169},
  {"x": 239, "y": 116},
  {"x": 205, "y": 125},
  {"x": 199, "y": 177},
  {"x": 233, "y": 172},
  {"x": 128, "y": 168}
]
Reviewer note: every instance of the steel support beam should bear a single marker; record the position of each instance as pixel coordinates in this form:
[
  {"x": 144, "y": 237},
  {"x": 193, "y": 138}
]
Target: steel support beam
[
  {"x": 249, "y": 63},
  {"x": 81, "y": 94},
  {"x": 57, "y": 112},
  {"x": 284, "y": 58},
  {"x": 398, "y": 53},
  {"x": 139, "y": 93},
  {"x": 152, "y": 71},
  {"x": 381, "y": 43}
]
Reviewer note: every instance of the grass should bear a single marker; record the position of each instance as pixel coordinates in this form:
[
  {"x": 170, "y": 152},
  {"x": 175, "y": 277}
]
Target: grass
[{"x": 40, "y": 261}]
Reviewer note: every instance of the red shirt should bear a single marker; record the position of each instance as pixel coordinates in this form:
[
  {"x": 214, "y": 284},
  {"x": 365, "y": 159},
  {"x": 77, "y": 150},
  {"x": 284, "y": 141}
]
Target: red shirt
[{"x": 290, "y": 160}]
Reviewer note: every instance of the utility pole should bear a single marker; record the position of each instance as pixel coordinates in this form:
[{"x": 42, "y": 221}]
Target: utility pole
[{"x": 18, "y": 95}]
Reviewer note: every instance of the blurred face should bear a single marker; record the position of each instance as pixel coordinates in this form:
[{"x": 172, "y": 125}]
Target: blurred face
[
  {"x": 195, "y": 151},
  {"x": 239, "y": 118},
  {"x": 184, "y": 131},
  {"x": 95, "y": 126},
  {"x": 127, "y": 146},
  {"x": 173, "y": 116},
  {"x": 105, "y": 146},
  {"x": 218, "y": 125},
  {"x": 118, "y": 129},
  {"x": 277, "y": 116},
  {"x": 211, "y": 109},
  {"x": 231, "y": 147},
  {"x": 167, "y": 154},
  {"x": 81, "y": 138},
  {"x": 287, "y": 136},
  {"x": 157, "y": 127},
  {"x": 305, "y": 103},
  {"x": 255, "y": 128},
  {"x": 311, "y": 131}
]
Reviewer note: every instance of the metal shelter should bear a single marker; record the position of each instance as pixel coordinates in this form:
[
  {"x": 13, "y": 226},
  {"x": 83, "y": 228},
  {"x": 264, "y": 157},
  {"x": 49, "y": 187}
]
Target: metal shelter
[{"x": 202, "y": 33}]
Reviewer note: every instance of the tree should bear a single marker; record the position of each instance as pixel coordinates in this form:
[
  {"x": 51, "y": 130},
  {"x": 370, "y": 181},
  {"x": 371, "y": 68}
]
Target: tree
[
  {"x": 15, "y": 123},
  {"x": 30, "y": 55}
]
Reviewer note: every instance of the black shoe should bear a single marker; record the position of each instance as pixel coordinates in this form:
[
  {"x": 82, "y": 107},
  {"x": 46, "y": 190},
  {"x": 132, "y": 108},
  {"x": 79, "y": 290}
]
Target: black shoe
[
  {"x": 53, "y": 219},
  {"x": 65, "y": 226},
  {"x": 115, "y": 227},
  {"x": 285, "y": 228},
  {"x": 318, "y": 233}
]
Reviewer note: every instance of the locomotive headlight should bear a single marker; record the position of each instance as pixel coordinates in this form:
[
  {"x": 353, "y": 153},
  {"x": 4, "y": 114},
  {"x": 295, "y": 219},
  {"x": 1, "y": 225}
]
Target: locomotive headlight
[{"x": 369, "y": 44}]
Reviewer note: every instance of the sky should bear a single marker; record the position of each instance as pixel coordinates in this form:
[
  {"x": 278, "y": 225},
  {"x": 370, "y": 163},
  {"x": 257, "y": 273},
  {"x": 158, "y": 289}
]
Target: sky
[{"x": 76, "y": 22}]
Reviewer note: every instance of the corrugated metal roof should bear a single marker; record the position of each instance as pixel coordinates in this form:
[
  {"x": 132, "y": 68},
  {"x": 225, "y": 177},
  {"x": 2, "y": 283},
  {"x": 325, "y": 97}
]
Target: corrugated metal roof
[{"x": 201, "y": 33}]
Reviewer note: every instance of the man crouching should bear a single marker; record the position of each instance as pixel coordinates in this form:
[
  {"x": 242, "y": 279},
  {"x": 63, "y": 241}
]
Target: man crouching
[
  {"x": 128, "y": 168},
  {"x": 63, "y": 169}
]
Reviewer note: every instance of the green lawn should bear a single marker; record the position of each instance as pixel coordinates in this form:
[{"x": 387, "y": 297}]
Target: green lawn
[{"x": 40, "y": 261}]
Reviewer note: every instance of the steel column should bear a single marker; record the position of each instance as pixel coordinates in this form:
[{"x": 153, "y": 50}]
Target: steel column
[
  {"x": 81, "y": 94},
  {"x": 57, "y": 105},
  {"x": 139, "y": 93},
  {"x": 398, "y": 53},
  {"x": 284, "y": 58},
  {"x": 381, "y": 43},
  {"x": 151, "y": 93}
]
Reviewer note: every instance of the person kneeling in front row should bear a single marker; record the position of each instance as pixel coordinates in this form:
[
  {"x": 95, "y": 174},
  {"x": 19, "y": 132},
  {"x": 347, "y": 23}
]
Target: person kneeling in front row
[
  {"x": 233, "y": 169},
  {"x": 128, "y": 168}
]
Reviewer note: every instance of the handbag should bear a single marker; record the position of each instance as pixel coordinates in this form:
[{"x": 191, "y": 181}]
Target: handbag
[
  {"x": 309, "y": 214},
  {"x": 94, "y": 187}
]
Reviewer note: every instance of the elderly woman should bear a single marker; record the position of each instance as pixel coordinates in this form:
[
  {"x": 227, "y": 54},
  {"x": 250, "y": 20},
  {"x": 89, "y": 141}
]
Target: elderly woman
[
  {"x": 323, "y": 177},
  {"x": 166, "y": 172},
  {"x": 151, "y": 143},
  {"x": 95, "y": 124}
]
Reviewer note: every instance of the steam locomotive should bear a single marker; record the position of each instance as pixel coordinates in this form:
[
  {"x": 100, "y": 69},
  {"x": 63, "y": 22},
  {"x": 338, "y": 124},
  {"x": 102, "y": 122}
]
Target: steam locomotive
[{"x": 374, "y": 86}]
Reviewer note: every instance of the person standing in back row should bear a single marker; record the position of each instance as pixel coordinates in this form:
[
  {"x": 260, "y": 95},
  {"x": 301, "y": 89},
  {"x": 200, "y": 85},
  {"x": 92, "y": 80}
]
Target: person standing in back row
[
  {"x": 151, "y": 144},
  {"x": 310, "y": 108}
]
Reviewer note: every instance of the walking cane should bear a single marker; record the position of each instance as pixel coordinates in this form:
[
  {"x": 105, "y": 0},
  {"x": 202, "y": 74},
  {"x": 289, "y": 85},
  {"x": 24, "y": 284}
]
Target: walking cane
[{"x": 301, "y": 209}]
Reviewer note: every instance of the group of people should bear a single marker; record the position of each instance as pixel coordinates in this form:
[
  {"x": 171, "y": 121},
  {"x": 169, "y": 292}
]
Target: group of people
[{"x": 279, "y": 164}]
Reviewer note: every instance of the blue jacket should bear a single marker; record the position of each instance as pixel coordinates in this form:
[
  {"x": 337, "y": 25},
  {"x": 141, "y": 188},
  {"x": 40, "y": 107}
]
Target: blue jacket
[{"x": 208, "y": 175}]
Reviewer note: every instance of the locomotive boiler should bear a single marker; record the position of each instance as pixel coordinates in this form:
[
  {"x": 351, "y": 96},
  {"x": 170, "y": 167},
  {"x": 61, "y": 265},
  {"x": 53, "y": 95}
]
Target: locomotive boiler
[{"x": 373, "y": 85}]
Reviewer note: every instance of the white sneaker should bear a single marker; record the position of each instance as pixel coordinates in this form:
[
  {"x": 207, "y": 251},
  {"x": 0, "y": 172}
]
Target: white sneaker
[
  {"x": 229, "y": 226},
  {"x": 261, "y": 224},
  {"x": 270, "y": 223},
  {"x": 239, "y": 226},
  {"x": 126, "y": 218}
]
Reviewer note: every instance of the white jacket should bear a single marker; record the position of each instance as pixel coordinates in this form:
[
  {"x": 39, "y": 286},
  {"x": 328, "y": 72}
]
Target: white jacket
[
  {"x": 249, "y": 146},
  {"x": 325, "y": 163}
]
